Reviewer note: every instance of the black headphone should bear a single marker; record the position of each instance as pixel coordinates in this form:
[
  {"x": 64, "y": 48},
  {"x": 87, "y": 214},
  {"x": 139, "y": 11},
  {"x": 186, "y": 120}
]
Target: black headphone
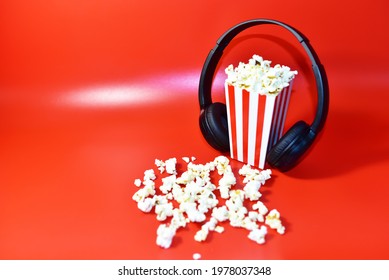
[{"x": 287, "y": 152}]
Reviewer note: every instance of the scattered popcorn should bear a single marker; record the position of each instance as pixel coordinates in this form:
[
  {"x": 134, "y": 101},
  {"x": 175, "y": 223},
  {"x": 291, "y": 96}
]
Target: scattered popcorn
[
  {"x": 170, "y": 165},
  {"x": 263, "y": 176},
  {"x": 192, "y": 197},
  {"x": 147, "y": 190},
  {"x": 160, "y": 164},
  {"x": 235, "y": 202},
  {"x": 201, "y": 171},
  {"x": 207, "y": 201},
  {"x": 225, "y": 184},
  {"x": 168, "y": 183},
  {"x": 146, "y": 204},
  {"x": 163, "y": 211},
  {"x": 251, "y": 174},
  {"x": 201, "y": 235},
  {"x": 149, "y": 175},
  {"x": 251, "y": 190},
  {"x": 274, "y": 222},
  {"x": 169, "y": 196},
  {"x": 165, "y": 235},
  {"x": 257, "y": 76},
  {"x": 256, "y": 217},
  {"x": 249, "y": 224},
  {"x": 211, "y": 225},
  {"x": 219, "y": 229},
  {"x": 258, "y": 235},
  {"x": 262, "y": 209},
  {"x": 178, "y": 193},
  {"x": 194, "y": 215},
  {"x": 196, "y": 256},
  {"x": 178, "y": 220},
  {"x": 220, "y": 213},
  {"x": 222, "y": 164},
  {"x": 185, "y": 178},
  {"x": 138, "y": 182},
  {"x": 161, "y": 199},
  {"x": 236, "y": 217}
]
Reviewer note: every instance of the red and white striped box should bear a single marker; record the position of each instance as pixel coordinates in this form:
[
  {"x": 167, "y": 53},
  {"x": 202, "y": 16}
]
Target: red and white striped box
[{"x": 255, "y": 122}]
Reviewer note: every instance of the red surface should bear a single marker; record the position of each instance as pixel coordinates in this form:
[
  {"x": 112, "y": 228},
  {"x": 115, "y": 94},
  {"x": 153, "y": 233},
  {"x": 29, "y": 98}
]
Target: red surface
[{"x": 91, "y": 92}]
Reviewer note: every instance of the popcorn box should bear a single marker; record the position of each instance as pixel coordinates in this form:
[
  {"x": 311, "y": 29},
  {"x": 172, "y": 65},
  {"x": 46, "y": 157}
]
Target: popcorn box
[{"x": 255, "y": 122}]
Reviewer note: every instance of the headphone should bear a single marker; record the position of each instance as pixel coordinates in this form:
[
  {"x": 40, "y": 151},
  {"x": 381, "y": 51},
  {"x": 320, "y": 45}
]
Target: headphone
[{"x": 289, "y": 149}]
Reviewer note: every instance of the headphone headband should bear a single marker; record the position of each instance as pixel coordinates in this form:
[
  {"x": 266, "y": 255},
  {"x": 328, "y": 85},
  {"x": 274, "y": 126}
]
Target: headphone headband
[{"x": 214, "y": 56}]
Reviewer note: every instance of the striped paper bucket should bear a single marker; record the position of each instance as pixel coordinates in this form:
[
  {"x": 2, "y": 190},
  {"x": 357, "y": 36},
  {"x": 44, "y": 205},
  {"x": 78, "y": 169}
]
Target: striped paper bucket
[{"x": 255, "y": 122}]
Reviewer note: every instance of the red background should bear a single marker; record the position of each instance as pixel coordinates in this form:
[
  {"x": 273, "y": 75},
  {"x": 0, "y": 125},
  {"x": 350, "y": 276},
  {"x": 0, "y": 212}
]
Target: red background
[{"x": 91, "y": 92}]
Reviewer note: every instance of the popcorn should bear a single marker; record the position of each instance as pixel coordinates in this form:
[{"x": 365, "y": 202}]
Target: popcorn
[
  {"x": 186, "y": 159},
  {"x": 170, "y": 165},
  {"x": 149, "y": 175},
  {"x": 225, "y": 184},
  {"x": 168, "y": 183},
  {"x": 236, "y": 200},
  {"x": 147, "y": 190},
  {"x": 222, "y": 164},
  {"x": 165, "y": 235},
  {"x": 161, "y": 199},
  {"x": 163, "y": 211},
  {"x": 211, "y": 224},
  {"x": 257, "y": 76},
  {"x": 237, "y": 217},
  {"x": 196, "y": 256},
  {"x": 249, "y": 224},
  {"x": 251, "y": 174},
  {"x": 178, "y": 220},
  {"x": 207, "y": 201},
  {"x": 219, "y": 229},
  {"x": 262, "y": 209},
  {"x": 256, "y": 217},
  {"x": 178, "y": 193},
  {"x": 146, "y": 204},
  {"x": 191, "y": 197},
  {"x": 160, "y": 164},
  {"x": 194, "y": 215},
  {"x": 220, "y": 213},
  {"x": 263, "y": 176},
  {"x": 137, "y": 182},
  {"x": 202, "y": 234},
  {"x": 274, "y": 222},
  {"x": 236, "y": 209},
  {"x": 258, "y": 235},
  {"x": 201, "y": 171},
  {"x": 185, "y": 178},
  {"x": 251, "y": 190}
]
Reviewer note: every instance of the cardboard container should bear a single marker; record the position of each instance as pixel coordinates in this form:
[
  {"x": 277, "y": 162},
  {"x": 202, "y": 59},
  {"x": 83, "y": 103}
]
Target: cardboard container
[{"x": 255, "y": 122}]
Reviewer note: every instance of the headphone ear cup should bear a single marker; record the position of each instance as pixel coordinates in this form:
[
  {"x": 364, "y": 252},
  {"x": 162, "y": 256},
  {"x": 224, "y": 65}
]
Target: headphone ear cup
[
  {"x": 286, "y": 153},
  {"x": 214, "y": 126}
]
